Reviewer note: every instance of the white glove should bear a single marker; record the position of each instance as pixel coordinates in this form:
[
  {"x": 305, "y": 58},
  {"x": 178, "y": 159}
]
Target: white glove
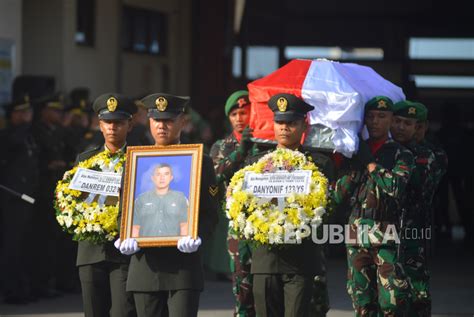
[
  {"x": 117, "y": 244},
  {"x": 188, "y": 244},
  {"x": 129, "y": 246}
]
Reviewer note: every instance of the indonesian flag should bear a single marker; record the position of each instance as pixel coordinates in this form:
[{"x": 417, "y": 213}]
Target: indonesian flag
[{"x": 338, "y": 91}]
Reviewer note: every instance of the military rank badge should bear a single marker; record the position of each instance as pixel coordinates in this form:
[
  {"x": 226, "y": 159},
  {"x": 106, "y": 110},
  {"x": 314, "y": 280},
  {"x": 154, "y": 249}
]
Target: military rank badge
[{"x": 213, "y": 190}]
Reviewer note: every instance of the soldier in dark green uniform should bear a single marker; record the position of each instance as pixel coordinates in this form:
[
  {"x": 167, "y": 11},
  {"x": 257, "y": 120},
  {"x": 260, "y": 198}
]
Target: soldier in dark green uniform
[
  {"x": 374, "y": 185},
  {"x": 229, "y": 155},
  {"x": 419, "y": 195},
  {"x": 167, "y": 280},
  {"x": 160, "y": 211},
  {"x": 50, "y": 137},
  {"x": 19, "y": 171},
  {"x": 284, "y": 278},
  {"x": 76, "y": 122},
  {"x": 93, "y": 136},
  {"x": 102, "y": 269},
  {"x": 140, "y": 134}
]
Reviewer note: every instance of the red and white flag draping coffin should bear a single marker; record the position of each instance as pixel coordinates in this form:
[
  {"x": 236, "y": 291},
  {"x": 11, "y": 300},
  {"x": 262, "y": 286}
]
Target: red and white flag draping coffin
[{"x": 338, "y": 91}]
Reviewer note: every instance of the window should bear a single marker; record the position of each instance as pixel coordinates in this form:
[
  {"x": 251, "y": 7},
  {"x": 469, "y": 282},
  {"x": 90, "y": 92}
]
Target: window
[
  {"x": 431, "y": 81},
  {"x": 261, "y": 61},
  {"x": 85, "y": 22},
  {"x": 335, "y": 53},
  {"x": 237, "y": 61},
  {"x": 144, "y": 31},
  {"x": 441, "y": 48}
]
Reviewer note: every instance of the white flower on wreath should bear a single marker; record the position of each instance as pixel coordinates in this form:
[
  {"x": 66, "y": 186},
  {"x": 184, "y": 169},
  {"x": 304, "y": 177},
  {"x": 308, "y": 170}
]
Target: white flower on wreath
[{"x": 319, "y": 212}]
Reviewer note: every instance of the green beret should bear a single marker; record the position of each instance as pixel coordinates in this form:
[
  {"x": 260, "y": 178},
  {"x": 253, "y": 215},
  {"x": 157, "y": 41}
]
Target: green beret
[
  {"x": 239, "y": 99},
  {"x": 165, "y": 106},
  {"x": 380, "y": 103},
  {"x": 288, "y": 107},
  {"x": 113, "y": 106},
  {"x": 422, "y": 111},
  {"x": 409, "y": 109}
]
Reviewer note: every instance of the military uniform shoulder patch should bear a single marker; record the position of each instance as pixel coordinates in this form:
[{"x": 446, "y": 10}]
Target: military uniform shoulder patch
[{"x": 213, "y": 190}]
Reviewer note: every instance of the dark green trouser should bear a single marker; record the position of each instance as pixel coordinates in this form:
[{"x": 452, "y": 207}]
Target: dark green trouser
[
  {"x": 179, "y": 303},
  {"x": 282, "y": 295},
  {"x": 103, "y": 290}
]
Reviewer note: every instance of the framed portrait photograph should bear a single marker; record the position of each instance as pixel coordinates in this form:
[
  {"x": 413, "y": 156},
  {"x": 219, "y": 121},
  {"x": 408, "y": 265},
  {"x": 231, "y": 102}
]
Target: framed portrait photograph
[{"x": 161, "y": 194}]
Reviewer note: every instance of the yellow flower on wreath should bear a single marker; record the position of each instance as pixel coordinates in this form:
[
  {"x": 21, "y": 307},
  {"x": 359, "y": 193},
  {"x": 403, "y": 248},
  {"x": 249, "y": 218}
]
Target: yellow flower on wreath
[
  {"x": 88, "y": 221},
  {"x": 259, "y": 220}
]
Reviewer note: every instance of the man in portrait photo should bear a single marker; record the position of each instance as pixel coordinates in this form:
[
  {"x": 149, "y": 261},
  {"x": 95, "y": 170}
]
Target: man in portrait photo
[{"x": 160, "y": 211}]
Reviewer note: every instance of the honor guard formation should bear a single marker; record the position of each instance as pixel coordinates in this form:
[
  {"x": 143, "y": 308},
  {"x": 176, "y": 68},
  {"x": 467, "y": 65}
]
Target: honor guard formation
[{"x": 388, "y": 189}]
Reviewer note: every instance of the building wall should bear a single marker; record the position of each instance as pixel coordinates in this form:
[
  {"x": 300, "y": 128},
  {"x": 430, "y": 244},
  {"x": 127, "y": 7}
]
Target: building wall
[
  {"x": 42, "y": 39},
  {"x": 143, "y": 74},
  {"x": 11, "y": 29},
  {"x": 93, "y": 67},
  {"x": 51, "y": 49}
]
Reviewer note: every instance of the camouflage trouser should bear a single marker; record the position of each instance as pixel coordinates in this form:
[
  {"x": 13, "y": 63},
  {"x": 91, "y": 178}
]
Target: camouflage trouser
[
  {"x": 320, "y": 298},
  {"x": 242, "y": 281},
  {"x": 376, "y": 282},
  {"x": 419, "y": 277}
]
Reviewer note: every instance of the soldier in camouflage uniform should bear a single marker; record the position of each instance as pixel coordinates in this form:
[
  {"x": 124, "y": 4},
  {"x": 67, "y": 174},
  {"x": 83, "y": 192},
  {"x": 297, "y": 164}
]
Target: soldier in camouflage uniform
[
  {"x": 440, "y": 167},
  {"x": 229, "y": 155},
  {"x": 441, "y": 158},
  {"x": 373, "y": 186},
  {"x": 419, "y": 195}
]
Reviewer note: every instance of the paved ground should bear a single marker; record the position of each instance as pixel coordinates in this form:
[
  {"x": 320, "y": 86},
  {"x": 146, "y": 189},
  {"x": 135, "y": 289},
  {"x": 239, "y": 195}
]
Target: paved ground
[{"x": 452, "y": 288}]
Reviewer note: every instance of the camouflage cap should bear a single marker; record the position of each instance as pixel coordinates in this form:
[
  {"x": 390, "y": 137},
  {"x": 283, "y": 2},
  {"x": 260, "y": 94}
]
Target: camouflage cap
[
  {"x": 288, "y": 107},
  {"x": 165, "y": 106},
  {"x": 239, "y": 99},
  {"x": 113, "y": 106},
  {"x": 409, "y": 109},
  {"x": 380, "y": 103}
]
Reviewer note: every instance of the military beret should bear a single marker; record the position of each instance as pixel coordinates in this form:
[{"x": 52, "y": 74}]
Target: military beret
[
  {"x": 422, "y": 111},
  {"x": 380, "y": 103},
  {"x": 409, "y": 109},
  {"x": 113, "y": 106},
  {"x": 239, "y": 99},
  {"x": 288, "y": 107},
  {"x": 165, "y": 106}
]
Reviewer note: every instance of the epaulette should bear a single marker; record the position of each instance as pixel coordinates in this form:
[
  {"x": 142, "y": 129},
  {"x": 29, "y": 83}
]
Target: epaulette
[
  {"x": 86, "y": 152},
  {"x": 93, "y": 149}
]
